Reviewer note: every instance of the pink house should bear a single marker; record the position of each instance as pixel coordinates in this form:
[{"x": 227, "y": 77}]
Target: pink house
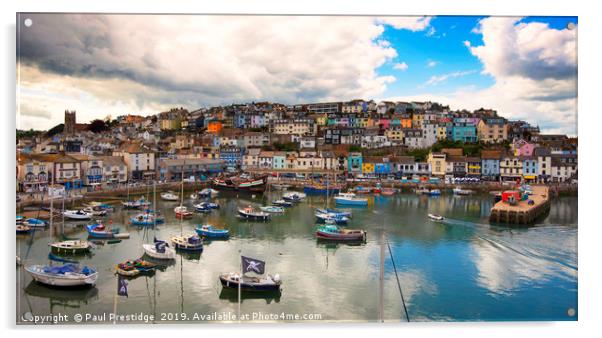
[
  {"x": 384, "y": 123},
  {"x": 523, "y": 148}
]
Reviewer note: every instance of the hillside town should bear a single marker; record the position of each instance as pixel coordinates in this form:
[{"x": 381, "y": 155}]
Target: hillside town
[{"x": 357, "y": 139}]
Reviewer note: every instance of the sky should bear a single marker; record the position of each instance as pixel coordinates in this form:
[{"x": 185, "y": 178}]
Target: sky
[{"x": 100, "y": 65}]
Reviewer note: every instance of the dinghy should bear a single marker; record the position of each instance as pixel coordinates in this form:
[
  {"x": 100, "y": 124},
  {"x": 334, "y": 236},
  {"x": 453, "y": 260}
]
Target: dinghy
[
  {"x": 334, "y": 233},
  {"x": 210, "y": 231},
  {"x": 77, "y": 214},
  {"x": 72, "y": 247},
  {"x": 159, "y": 250},
  {"x": 67, "y": 275}
]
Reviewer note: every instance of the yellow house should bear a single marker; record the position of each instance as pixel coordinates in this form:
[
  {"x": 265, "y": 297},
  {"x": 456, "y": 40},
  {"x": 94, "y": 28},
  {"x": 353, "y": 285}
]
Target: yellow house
[
  {"x": 394, "y": 134},
  {"x": 441, "y": 133},
  {"x": 492, "y": 130},
  {"x": 367, "y": 168},
  {"x": 417, "y": 120},
  {"x": 321, "y": 119},
  {"x": 438, "y": 163}
]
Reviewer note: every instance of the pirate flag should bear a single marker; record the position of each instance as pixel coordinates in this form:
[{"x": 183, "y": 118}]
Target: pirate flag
[
  {"x": 252, "y": 265},
  {"x": 122, "y": 286}
]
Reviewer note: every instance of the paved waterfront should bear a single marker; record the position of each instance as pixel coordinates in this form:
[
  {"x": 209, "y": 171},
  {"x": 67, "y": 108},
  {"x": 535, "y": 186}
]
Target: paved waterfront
[{"x": 463, "y": 269}]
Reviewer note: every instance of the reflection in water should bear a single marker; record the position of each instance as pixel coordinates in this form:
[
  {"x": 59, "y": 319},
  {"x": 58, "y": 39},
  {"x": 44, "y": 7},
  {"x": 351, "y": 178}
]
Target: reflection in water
[
  {"x": 61, "y": 298},
  {"x": 461, "y": 269}
]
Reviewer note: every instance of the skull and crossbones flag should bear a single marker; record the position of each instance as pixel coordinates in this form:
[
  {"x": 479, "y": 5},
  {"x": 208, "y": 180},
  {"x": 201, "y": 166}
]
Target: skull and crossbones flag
[{"x": 252, "y": 265}]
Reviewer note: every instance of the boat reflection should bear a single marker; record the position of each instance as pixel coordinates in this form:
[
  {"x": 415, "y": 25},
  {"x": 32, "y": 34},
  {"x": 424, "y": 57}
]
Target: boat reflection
[
  {"x": 65, "y": 297},
  {"x": 232, "y": 296}
]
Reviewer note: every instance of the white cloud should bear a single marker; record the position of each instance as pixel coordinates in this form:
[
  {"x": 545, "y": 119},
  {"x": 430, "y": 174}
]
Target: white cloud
[
  {"x": 431, "y": 63},
  {"x": 197, "y": 61},
  {"x": 431, "y": 31},
  {"x": 535, "y": 72},
  {"x": 437, "y": 79},
  {"x": 413, "y": 23},
  {"x": 401, "y": 66},
  {"x": 466, "y": 43}
]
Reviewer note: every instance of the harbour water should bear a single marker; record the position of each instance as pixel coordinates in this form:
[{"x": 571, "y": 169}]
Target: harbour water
[{"x": 460, "y": 269}]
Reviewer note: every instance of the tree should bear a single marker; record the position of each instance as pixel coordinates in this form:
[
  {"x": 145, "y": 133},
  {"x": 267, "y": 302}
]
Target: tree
[{"x": 98, "y": 126}]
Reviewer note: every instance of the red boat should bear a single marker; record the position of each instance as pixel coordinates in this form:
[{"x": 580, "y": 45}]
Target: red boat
[
  {"x": 334, "y": 233},
  {"x": 182, "y": 212}
]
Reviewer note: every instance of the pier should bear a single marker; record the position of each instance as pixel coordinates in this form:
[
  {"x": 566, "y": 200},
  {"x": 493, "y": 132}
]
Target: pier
[{"x": 522, "y": 213}]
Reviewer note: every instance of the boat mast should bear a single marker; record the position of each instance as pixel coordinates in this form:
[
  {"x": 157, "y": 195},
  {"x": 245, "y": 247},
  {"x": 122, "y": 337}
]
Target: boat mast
[{"x": 154, "y": 207}]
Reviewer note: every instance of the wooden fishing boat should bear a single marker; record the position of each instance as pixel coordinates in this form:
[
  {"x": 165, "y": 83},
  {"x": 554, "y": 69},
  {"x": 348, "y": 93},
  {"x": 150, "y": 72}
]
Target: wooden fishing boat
[
  {"x": 159, "y": 250},
  {"x": 182, "y": 212},
  {"x": 23, "y": 229},
  {"x": 250, "y": 284},
  {"x": 334, "y": 233},
  {"x": 72, "y": 247},
  {"x": 249, "y": 213},
  {"x": 67, "y": 275},
  {"x": 243, "y": 183},
  {"x": 210, "y": 231},
  {"x": 190, "y": 243}
]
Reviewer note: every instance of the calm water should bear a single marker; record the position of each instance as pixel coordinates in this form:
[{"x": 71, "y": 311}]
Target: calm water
[{"x": 463, "y": 269}]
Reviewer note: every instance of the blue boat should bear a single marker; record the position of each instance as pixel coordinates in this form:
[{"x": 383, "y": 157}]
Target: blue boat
[
  {"x": 146, "y": 220},
  {"x": 335, "y": 212},
  {"x": 320, "y": 190},
  {"x": 331, "y": 218},
  {"x": 34, "y": 222},
  {"x": 350, "y": 199},
  {"x": 210, "y": 231},
  {"x": 202, "y": 207},
  {"x": 97, "y": 230}
]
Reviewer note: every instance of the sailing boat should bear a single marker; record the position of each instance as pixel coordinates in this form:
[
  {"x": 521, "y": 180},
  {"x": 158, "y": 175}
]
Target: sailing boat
[
  {"x": 159, "y": 249},
  {"x": 242, "y": 282},
  {"x": 181, "y": 210},
  {"x": 189, "y": 243},
  {"x": 136, "y": 204}
]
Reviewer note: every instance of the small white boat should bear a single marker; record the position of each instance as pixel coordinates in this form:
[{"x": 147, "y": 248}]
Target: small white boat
[
  {"x": 77, "y": 214},
  {"x": 273, "y": 209},
  {"x": 436, "y": 217},
  {"x": 159, "y": 250},
  {"x": 208, "y": 192},
  {"x": 169, "y": 196},
  {"x": 249, "y": 213},
  {"x": 294, "y": 196},
  {"x": 194, "y": 196},
  {"x": 70, "y": 247},
  {"x": 462, "y": 192},
  {"x": 65, "y": 275},
  {"x": 95, "y": 211}
]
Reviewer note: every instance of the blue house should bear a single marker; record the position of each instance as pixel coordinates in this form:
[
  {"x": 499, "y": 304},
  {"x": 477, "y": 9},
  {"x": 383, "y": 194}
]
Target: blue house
[
  {"x": 490, "y": 165},
  {"x": 232, "y": 156},
  {"x": 464, "y": 132},
  {"x": 354, "y": 162},
  {"x": 530, "y": 168}
]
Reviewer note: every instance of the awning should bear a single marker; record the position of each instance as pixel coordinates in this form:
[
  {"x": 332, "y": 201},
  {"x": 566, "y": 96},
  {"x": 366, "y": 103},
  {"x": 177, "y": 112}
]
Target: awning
[{"x": 529, "y": 177}]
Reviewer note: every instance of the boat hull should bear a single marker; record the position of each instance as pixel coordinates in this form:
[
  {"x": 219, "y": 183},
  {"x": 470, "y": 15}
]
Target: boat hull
[
  {"x": 64, "y": 281},
  {"x": 342, "y": 201},
  {"x": 355, "y": 237},
  {"x": 151, "y": 251},
  {"x": 249, "y": 287}
]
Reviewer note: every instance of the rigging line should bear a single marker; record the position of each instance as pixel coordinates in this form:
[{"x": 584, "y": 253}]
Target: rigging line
[{"x": 405, "y": 309}]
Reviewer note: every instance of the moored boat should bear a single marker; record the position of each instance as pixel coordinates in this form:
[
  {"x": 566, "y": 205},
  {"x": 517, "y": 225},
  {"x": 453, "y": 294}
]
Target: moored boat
[
  {"x": 210, "y": 231},
  {"x": 320, "y": 189},
  {"x": 249, "y": 213},
  {"x": 67, "y": 275},
  {"x": 282, "y": 203},
  {"x": 20, "y": 219},
  {"x": 350, "y": 199},
  {"x": 98, "y": 230},
  {"x": 35, "y": 223},
  {"x": 434, "y": 192},
  {"x": 243, "y": 183},
  {"x": 23, "y": 229},
  {"x": 331, "y": 218},
  {"x": 232, "y": 280},
  {"x": 334, "y": 233},
  {"x": 95, "y": 211},
  {"x": 202, "y": 208},
  {"x": 272, "y": 209},
  {"x": 146, "y": 219},
  {"x": 190, "y": 243},
  {"x": 294, "y": 196},
  {"x": 159, "y": 250},
  {"x": 70, "y": 247},
  {"x": 77, "y": 214},
  {"x": 337, "y": 212},
  {"x": 136, "y": 204},
  {"x": 462, "y": 192},
  {"x": 182, "y": 212},
  {"x": 208, "y": 192},
  {"x": 388, "y": 191},
  {"x": 169, "y": 196}
]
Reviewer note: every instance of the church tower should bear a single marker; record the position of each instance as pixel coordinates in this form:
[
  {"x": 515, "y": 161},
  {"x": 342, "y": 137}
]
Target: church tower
[{"x": 69, "y": 122}]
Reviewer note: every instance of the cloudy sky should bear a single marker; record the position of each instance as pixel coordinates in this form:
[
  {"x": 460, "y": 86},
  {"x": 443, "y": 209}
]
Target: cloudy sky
[{"x": 101, "y": 65}]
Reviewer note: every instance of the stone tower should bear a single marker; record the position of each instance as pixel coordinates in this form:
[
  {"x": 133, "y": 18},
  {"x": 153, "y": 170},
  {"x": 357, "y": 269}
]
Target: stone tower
[{"x": 69, "y": 122}]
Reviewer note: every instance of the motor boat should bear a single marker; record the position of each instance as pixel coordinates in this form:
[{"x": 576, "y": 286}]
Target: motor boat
[
  {"x": 331, "y": 218},
  {"x": 436, "y": 217},
  {"x": 434, "y": 192},
  {"x": 95, "y": 211},
  {"x": 67, "y": 275},
  {"x": 350, "y": 199},
  {"x": 269, "y": 283},
  {"x": 334, "y": 233},
  {"x": 282, "y": 203},
  {"x": 77, "y": 214},
  {"x": 210, "y": 231},
  {"x": 336, "y": 212},
  {"x": 190, "y": 243},
  {"x": 23, "y": 229},
  {"x": 202, "y": 208},
  {"x": 72, "y": 247},
  {"x": 146, "y": 219},
  {"x": 159, "y": 250},
  {"x": 169, "y": 196},
  {"x": 98, "y": 230},
  {"x": 182, "y": 212},
  {"x": 462, "y": 192},
  {"x": 272, "y": 209},
  {"x": 208, "y": 192},
  {"x": 35, "y": 223},
  {"x": 294, "y": 196},
  {"x": 249, "y": 213},
  {"x": 137, "y": 204}
]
